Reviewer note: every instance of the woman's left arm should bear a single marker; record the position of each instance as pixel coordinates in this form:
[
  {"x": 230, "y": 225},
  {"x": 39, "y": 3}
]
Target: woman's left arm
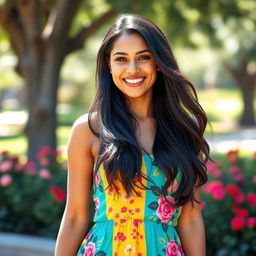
[{"x": 191, "y": 228}]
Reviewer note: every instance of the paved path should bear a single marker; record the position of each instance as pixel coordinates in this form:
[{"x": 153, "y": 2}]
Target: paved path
[{"x": 244, "y": 139}]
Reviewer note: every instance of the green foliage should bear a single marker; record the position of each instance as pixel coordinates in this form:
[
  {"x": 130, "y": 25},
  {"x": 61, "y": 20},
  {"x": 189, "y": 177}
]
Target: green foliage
[
  {"x": 230, "y": 206},
  {"x": 32, "y": 199}
]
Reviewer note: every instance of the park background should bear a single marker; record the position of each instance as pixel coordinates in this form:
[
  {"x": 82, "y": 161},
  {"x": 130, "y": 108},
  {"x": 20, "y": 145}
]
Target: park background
[{"x": 48, "y": 57}]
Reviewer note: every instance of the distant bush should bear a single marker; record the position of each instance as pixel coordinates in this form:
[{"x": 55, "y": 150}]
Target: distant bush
[
  {"x": 230, "y": 206},
  {"x": 32, "y": 199}
]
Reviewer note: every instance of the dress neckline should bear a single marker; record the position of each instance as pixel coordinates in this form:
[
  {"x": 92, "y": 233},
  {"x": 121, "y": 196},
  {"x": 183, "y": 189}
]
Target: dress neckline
[{"x": 149, "y": 155}]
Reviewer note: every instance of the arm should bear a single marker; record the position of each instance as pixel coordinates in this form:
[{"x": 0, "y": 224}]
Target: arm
[
  {"x": 75, "y": 219},
  {"x": 191, "y": 229}
]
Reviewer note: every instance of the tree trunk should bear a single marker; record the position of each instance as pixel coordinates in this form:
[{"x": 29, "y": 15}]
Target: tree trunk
[
  {"x": 248, "y": 114},
  {"x": 246, "y": 82},
  {"x": 41, "y": 49},
  {"x": 42, "y": 100}
]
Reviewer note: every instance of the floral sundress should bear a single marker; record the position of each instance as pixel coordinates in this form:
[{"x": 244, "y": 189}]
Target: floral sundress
[{"x": 133, "y": 225}]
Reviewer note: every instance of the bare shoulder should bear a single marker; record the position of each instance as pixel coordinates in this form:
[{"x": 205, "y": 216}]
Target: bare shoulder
[
  {"x": 81, "y": 129},
  {"x": 80, "y": 168},
  {"x": 82, "y": 137}
]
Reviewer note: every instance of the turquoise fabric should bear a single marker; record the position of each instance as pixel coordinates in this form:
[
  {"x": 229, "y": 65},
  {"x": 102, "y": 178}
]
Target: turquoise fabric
[{"x": 130, "y": 227}]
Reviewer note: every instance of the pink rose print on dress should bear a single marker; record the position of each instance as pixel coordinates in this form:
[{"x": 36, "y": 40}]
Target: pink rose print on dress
[
  {"x": 173, "y": 250},
  {"x": 97, "y": 203},
  {"x": 89, "y": 250},
  {"x": 165, "y": 211},
  {"x": 96, "y": 179},
  {"x": 88, "y": 236}
]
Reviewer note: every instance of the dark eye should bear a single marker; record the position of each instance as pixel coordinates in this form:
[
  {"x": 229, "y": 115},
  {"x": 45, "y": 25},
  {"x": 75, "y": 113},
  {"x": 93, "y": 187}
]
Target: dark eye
[
  {"x": 120, "y": 59},
  {"x": 144, "y": 57}
]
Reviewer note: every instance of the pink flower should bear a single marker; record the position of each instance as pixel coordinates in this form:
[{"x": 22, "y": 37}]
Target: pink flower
[
  {"x": 4, "y": 153},
  {"x": 56, "y": 153},
  {"x": 89, "y": 250},
  {"x": 254, "y": 179},
  {"x": 215, "y": 189},
  {"x": 88, "y": 236},
  {"x": 45, "y": 174},
  {"x": 232, "y": 156},
  {"x": 96, "y": 179},
  {"x": 123, "y": 209},
  {"x": 97, "y": 203},
  {"x": 251, "y": 199},
  {"x": 6, "y": 166},
  {"x": 237, "y": 223},
  {"x": 239, "y": 211},
  {"x": 232, "y": 189},
  {"x": 173, "y": 250},
  {"x": 31, "y": 168},
  {"x": 234, "y": 170},
  {"x": 239, "y": 178},
  {"x": 239, "y": 198},
  {"x": 173, "y": 187},
  {"x": 44, "y": 152},
  {"x": 251, "y": 222},
  {"x": 165, "y": 211},
  {"x": 136, "y": 222},
  {"x": 44, "y": 161},
  {"x": 58, "y": 193},
  {"x": 213, "y": 169},
  {"x": 14, "y": 159},
  {"x": 19, "y": 167},
  {"x": 5, "y": 180}
]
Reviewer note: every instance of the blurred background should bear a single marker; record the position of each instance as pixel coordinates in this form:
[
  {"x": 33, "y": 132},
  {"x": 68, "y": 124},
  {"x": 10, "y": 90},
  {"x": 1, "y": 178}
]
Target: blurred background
[{"x": 48, "y": 54}]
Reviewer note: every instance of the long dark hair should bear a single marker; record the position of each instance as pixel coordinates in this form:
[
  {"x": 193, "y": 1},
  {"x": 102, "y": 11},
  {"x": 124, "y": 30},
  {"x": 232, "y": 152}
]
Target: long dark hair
[{"x": 180, "y": 120}]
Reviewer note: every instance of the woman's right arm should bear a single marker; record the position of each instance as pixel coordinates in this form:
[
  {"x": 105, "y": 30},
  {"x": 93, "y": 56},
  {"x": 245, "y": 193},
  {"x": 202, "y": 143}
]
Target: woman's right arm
[{"x": 75, "y": 219}]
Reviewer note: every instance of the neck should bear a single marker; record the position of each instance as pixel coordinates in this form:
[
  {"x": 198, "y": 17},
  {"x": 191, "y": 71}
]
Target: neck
[{"x": 141, "y": 108}]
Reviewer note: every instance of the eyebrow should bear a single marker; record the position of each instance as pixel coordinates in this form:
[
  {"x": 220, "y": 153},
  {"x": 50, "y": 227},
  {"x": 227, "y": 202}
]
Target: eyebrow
[{"x": 124, "y": 53}]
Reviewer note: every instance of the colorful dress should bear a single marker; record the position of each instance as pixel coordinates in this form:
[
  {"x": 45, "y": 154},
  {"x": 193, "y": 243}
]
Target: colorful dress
[{"x": 133, "y": 225}]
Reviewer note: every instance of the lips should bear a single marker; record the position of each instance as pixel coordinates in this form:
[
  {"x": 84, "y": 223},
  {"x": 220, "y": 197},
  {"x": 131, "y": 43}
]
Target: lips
[{"x": 134, "y": 81}]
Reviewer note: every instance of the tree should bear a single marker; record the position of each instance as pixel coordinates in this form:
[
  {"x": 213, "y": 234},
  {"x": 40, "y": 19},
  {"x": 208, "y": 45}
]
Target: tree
[
  {"x": 232, "y": 24},
  {"x": 229, "y": 25},
  {"x": 40, "y": 36}
]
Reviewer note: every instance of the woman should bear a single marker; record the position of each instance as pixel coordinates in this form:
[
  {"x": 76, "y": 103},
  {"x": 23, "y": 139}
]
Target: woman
[{"x": 139, "y": 151}]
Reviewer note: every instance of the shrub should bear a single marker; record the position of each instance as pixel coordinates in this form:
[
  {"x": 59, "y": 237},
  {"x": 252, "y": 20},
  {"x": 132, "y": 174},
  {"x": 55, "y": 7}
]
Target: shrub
[
  {"x": 230, "y": 206},
  {"x": 32, "y": 199}
]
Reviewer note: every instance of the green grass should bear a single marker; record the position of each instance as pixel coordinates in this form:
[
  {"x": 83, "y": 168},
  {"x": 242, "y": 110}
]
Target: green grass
[
  {"x": 18, "y": 144},
  {"x": 14, "y": 144}
]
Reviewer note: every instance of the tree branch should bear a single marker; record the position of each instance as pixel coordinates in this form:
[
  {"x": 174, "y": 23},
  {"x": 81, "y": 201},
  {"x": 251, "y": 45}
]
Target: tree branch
[
  {"x": 9, "y": 21},
  {"x": 5, "y": 10},
  {"x": 65, "y": 13},
  {"x": 78, "y": 40},
  {"x": 29, "y": 15}
]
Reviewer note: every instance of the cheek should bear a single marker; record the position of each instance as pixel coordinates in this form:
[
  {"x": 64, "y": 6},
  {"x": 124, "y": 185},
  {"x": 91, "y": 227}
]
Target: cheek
[{"x": 150, "y": 68}]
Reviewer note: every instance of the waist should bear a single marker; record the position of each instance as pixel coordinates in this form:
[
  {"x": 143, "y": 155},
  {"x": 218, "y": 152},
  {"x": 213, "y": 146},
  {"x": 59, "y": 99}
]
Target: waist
[{"x": 134, "y": 220}]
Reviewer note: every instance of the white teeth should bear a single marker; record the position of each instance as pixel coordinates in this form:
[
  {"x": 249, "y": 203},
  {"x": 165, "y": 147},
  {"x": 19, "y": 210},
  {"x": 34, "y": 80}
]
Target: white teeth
[{"x": 133, "y": 81}]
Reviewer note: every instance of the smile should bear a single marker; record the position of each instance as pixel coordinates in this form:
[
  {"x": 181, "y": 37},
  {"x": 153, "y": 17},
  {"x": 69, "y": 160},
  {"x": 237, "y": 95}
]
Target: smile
[{"x": 134, "y": 82}]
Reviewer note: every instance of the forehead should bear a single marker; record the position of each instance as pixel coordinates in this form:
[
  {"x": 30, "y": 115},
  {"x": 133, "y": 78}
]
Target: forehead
[{"x": 129, "y": 43}]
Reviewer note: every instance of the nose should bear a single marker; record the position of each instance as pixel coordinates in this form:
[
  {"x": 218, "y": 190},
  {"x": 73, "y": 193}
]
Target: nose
[{"x": 133, "y": 67}]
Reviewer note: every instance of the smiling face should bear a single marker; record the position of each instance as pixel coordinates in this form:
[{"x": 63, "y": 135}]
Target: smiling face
[{"x": 132, "y": 65}]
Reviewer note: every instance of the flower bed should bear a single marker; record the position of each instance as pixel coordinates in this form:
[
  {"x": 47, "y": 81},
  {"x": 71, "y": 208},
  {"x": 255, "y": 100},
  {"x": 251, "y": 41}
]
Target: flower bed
[
  {"x": 229, "y": 206},
  {"x": 32, "y": 199}
]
